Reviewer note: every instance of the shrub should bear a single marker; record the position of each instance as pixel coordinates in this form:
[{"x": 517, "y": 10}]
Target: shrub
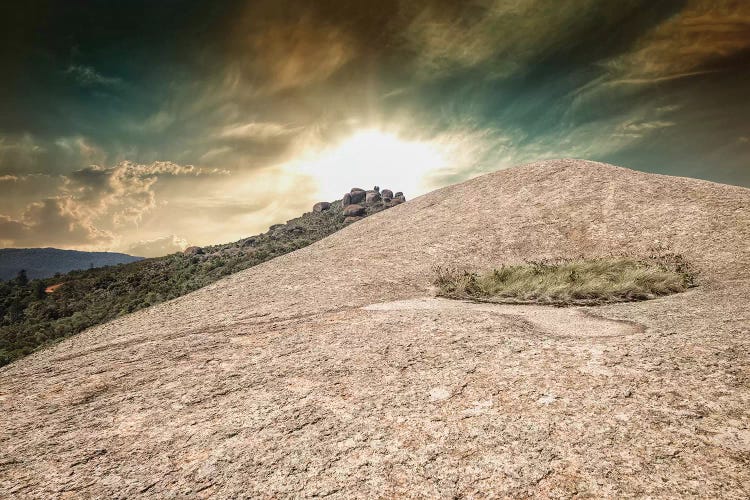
[{"x": 570, "y": 281}]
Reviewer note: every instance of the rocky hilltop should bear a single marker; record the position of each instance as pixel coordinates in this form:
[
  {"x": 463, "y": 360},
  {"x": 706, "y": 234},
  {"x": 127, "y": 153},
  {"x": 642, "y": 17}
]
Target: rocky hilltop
[
  {"x": 324, "y": 219},
  {"x": 333, "y": 370},
  {"x": 78, "y": 300}
]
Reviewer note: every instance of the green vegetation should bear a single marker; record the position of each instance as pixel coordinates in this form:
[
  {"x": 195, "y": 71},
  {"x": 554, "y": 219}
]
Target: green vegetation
[
  {"x": 31, "y": 318},
  {"x": 570, "y": 282}
]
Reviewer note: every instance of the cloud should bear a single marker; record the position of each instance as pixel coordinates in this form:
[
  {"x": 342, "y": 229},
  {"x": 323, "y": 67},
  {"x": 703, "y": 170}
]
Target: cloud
[
  {"x": 635, "y": 42},
  {"x": 470, "y": 150},
  {"x": 256, "y": 131},
  {"x": 17, "y": 192},
  {"x": 91, "y": 206},
  {"x": 287, "y": 54},
  {"x": 87, "y": 76},
  {"x": 686, "y": 44},
  {"x": 81, "y": 149},
  {"x": 54, "y": 222},
  {"x": 19, "y": 152},
  {"x": 154, "y": 124},
  {"x": 11, "y": 230},
  {"x": 215, "y": 153},
  {"x": 639, "y": 128},
  {"x": 25, "y": 153},
  {"x": 125, "y": 192},
  {"x": 450, "y": 36},
  {"x": 158, "y": 246}
]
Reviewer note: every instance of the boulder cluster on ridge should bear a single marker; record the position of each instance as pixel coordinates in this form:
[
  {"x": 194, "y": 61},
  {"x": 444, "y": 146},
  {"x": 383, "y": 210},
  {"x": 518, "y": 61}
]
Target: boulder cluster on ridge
[
  {"x": 358, "y": 203},
  {"x": 325, "y": 218}
]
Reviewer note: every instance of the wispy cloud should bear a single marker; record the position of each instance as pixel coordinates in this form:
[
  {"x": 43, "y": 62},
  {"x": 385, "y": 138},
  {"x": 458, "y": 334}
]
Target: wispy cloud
[
  {"x": 289, "y": 53},
  {"x": 88, "y": 76},
  {"x": 256, "y": 131},
  {"x": 642, "y": 126},
  {"x": 155, "y": 123},
  {"x": 446, "y": 37},
  {"x": 683, "y": 46}
]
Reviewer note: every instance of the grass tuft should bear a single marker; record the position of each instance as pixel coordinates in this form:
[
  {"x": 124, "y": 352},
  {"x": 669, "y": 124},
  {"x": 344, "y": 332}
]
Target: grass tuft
[{"x": 570, "y": 281}]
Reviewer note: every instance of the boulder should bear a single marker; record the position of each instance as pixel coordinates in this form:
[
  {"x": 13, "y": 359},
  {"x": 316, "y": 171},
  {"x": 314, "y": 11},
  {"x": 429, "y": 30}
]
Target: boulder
[
  {"x": 372, "y": 197},
  {"x": 354, "y": 210},
  {"x": 193, "y": 251},
  {"x": 386, "y": 193},
  {"x": 347, "y": 200},
  {"x": 399, "y": 194},
  {"x": 358, "y": 196},
  {"x": 353, "y": 218},
  {"x": 376, "y": 189},
  {"x": 321, "y": 206},
  {"x": 248, "y": 242},
  {"x": 397, "y": 201}
]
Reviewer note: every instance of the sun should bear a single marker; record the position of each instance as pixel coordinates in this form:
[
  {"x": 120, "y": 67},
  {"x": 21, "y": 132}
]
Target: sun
[{"x": 372, "y": 157}]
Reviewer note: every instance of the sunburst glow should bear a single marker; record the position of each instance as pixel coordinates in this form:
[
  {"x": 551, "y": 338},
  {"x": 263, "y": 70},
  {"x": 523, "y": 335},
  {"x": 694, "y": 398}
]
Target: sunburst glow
[{"x": 372, "y": 157}]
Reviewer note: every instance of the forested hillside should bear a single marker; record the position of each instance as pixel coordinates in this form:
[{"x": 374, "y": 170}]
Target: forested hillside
[{"x": 36, "y": 312}]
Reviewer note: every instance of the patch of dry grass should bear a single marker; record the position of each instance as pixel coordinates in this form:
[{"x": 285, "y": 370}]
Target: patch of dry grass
[{"x": 570, "y": 282}]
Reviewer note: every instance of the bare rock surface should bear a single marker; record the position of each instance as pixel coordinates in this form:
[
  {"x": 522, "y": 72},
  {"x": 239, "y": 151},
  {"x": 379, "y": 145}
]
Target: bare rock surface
[
  {"x": 354, "y": 210},
  {"x": 331, "y": 371},
  {"x": 321, "y": 206},
  {"x": 357, "y": 195},
  {"x": 372, "y": 197},
  {"x": 193, "y": 251}
]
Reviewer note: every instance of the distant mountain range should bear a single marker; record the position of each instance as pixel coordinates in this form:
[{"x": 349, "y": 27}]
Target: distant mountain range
[{"x": 45, "y": 262}]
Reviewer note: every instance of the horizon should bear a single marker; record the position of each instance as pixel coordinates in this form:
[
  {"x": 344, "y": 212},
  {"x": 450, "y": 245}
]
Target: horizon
[{"x": 200, "y": 124}]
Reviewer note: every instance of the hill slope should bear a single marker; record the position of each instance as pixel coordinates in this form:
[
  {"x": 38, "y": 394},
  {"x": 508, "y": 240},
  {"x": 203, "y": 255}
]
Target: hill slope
[
  {"x": 30, "y": 320},
  {"x": 45, "y": 262},
  {"x": 331, "y": 371}
]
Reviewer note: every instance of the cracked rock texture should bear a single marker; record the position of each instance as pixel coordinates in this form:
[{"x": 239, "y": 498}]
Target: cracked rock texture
[{"x": 333, "y": 371}]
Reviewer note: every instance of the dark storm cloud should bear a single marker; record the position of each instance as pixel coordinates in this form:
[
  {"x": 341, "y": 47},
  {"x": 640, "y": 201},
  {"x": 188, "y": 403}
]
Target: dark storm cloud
[{"x": 243, "y": 87}]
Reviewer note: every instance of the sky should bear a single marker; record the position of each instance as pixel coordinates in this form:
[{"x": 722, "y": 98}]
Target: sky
[{"x": 147, "y": 126}]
